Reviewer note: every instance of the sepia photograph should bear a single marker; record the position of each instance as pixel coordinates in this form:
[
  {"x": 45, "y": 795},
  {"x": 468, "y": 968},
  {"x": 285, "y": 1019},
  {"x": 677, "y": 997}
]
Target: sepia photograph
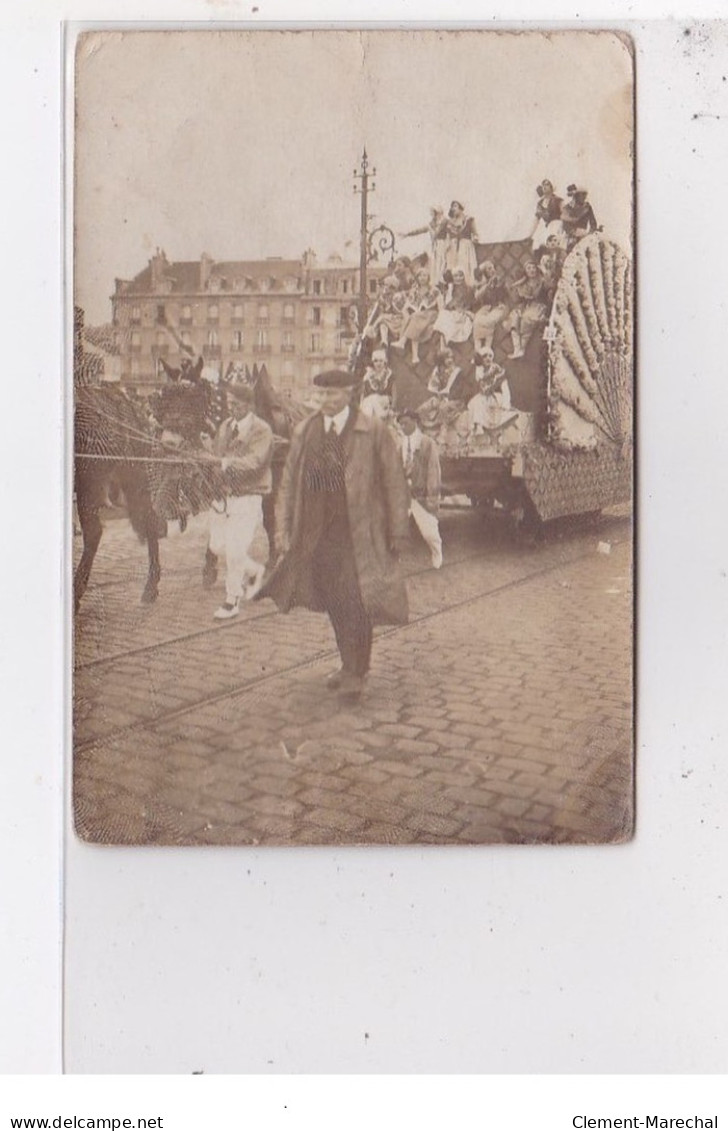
[{"x": 353, "y": 378}]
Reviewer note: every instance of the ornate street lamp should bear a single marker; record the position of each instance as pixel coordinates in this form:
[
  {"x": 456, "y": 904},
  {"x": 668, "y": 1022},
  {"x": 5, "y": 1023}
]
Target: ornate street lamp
[
  {"x": 380, "y": 241},
  {"x": 372, "y": 244}
]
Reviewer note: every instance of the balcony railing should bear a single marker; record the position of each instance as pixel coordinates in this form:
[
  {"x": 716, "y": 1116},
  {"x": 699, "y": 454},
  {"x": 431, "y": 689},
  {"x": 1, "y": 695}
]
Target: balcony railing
[
  {"x": 288, "y": 347},
  {"x": 261, "y": 349},
  {"x": 211, "y": 351}
]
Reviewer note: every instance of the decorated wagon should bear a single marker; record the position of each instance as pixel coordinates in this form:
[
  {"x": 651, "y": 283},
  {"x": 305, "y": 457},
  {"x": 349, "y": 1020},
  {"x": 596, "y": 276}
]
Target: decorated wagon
[{"x": 563, "y": 443}]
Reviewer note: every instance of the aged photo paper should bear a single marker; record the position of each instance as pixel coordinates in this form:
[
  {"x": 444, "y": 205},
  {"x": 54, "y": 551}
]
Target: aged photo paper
[{"x": 353, "y": 437}]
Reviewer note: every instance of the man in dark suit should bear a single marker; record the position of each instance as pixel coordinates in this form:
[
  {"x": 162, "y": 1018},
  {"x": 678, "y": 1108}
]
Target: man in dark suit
[{"x": 342, "y": 523}]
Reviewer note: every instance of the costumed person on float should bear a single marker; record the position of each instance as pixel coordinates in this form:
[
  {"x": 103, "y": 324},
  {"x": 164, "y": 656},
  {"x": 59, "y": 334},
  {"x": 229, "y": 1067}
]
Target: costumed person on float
[
  {"x": 490, "y": 406},
  {"x": 459, "y": 235},
  {"x": 377, "y": 387}
]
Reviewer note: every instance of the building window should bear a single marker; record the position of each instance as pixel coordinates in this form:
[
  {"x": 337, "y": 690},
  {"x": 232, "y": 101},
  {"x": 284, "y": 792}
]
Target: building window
[
  {"x": 161, "y": 338},
  {"x": 289, "y": 312},
  {"x": 238, "y": 312},
  {"x": 212, "y": 337},
  {"x": 317, "y": 286},
  {"x": 186, "y": 315},
  {"x": 238, "y": 339},
  {"x": 288, "y": 345},
  {"x": 315, "y": 343},
  {"x": 263, "y": 312},
  {"x": 341, "y": 345},
  {"x": 262, "y": 339},
  {"x": 136, "y": 341},
  {"x": 316, "y": 315},
  {"x": 213, "y": 312},
  {"x": 161, "y": 313},
  {"x": 373, "y": 286},
  {"x": 344, "y": 315},
  {"x": 344, "y": 286},
  {"x": 136, "y": 314},
  {"x": 290, "y": 283}
]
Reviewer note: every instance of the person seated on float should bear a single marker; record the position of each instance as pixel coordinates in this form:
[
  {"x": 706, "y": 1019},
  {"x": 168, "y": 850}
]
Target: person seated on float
[
  {"x": 490, "y": 303},
  {"x": 455, "y": 322},
  {"x": 550, "y": 264},
  {"x": 529, "y": 296},
  {"x": 403, "y": 272},
  {"x": 377, "y": 387},
  {"x": 577, "y": 216},
  {"x": 445, "y": 404},
  {"x": 493, "y": 399},
  {"x": 390, "y": 310},
  {"x": 420, "y": 311},
  {"x": 444, "y": 375}
]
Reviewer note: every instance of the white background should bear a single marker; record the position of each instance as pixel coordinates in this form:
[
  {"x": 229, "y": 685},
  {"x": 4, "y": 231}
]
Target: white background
[{"x": 508, "y": 960}]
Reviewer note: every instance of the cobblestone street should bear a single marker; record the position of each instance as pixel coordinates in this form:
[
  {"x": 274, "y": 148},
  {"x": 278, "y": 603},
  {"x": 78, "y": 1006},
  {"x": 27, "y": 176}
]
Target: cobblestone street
[{"x": 501, "y": 713}]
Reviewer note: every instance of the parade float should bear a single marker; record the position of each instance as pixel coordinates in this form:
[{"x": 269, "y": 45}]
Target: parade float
[{"x": 564, "y": 444}]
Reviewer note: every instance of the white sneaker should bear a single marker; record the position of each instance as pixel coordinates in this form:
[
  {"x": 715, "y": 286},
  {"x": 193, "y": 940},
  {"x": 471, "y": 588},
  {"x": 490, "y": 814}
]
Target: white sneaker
[{"x": 226, "y": 611}]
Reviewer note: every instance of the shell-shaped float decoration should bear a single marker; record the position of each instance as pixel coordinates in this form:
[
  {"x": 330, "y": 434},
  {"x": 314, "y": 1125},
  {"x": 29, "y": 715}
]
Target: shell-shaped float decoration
[{"x": 590, "y": 338}]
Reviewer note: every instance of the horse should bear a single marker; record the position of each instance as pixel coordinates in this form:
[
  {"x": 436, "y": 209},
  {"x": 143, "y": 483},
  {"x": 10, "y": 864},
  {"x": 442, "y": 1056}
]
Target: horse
[
  {"x": 112, "y": 443},
  {"x": 154, "y": 463}
]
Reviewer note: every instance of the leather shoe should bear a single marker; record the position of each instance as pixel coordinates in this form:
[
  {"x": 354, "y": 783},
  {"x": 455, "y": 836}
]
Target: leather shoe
[{"x": 351, "y": 687}]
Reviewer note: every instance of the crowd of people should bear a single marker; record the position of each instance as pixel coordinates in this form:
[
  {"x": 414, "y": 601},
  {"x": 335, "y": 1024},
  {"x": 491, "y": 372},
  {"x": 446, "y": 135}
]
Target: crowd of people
[{"x": 457, "y": 299}]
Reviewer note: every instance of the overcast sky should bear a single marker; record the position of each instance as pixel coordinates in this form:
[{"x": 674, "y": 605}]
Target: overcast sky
[{"x": 243, "y": 144}]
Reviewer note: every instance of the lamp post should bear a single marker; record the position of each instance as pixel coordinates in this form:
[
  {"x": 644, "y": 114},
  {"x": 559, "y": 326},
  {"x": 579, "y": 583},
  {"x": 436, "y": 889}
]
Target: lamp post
[
  {"x": 364, "y": 188},
  {"x": 371, "y": 243}
]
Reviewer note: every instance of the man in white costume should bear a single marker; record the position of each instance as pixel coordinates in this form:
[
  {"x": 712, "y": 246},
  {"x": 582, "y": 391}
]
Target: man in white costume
[
  {"x": 244, "y": 445},
  {"x": 421, "y": 461}
]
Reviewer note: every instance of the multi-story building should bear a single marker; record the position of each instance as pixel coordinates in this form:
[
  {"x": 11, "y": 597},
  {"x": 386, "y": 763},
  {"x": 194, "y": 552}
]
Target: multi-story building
[{"x": 293, "y": 315}]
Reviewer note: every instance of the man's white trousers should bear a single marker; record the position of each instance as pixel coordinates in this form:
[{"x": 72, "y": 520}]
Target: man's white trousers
[
  {"x": 232, "y": 533},
  {"x": 429, "y": 528}
]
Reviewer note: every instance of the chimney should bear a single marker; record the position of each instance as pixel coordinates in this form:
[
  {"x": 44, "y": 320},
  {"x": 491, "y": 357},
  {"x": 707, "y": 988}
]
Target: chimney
[
  {"x": 206, "y": 262},
  {"x": 158, "y": 264}
]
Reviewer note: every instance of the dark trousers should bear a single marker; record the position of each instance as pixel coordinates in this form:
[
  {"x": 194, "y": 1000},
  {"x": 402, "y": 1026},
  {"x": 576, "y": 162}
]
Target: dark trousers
[{"x": 337, "y": 586}]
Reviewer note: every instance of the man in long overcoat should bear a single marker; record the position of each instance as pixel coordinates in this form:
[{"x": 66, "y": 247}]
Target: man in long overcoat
[{"x": 342, "y": 522}]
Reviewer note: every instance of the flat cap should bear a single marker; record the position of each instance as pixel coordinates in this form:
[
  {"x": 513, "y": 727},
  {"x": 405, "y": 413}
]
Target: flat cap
[{"x": 335, "y": 379}]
